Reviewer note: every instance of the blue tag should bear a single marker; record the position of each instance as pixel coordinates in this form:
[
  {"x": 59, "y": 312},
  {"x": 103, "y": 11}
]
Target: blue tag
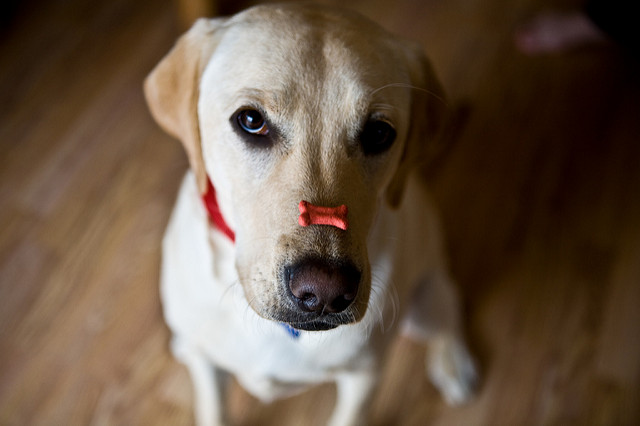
[{"x": 292, "y": 331}]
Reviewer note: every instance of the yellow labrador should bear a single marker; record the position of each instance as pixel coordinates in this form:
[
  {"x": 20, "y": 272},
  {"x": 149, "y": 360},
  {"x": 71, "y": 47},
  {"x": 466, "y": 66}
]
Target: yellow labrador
[{"x": 300, "y": 236}]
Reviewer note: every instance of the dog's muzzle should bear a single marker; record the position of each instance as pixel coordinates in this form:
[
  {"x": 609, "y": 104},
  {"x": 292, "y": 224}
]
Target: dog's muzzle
[{"x": 321, "y": 289}]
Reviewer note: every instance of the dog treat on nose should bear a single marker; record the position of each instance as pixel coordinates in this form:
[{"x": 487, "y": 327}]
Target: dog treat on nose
[{"x": 320, "y": 215}]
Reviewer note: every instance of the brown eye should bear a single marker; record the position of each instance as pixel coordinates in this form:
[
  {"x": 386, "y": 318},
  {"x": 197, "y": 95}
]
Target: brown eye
[
  {"x": 377, "y": 137},
  {"x": 253, "y": 122}
]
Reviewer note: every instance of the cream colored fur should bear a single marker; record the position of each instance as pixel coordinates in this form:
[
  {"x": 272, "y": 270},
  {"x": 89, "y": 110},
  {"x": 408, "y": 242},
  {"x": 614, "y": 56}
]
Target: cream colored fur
[{"x": 318, "y": 74}]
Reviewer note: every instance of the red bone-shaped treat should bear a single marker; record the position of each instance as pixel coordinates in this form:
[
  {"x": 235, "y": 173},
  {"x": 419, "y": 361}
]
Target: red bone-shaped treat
[{"x": 320, "y": 215}]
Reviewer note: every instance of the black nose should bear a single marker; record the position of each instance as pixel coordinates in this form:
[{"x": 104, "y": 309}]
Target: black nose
[{"x": 323, "y": 286}]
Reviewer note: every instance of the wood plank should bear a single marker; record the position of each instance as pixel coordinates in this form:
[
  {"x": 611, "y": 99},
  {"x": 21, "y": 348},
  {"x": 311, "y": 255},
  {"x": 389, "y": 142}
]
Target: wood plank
[{"x": 538, "y": 190}]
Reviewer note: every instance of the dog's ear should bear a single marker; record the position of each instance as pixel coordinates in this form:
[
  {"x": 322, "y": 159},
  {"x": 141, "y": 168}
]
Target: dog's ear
[
  {"x": 172, "y": 90},
  {"x": 428, "y": 108}
]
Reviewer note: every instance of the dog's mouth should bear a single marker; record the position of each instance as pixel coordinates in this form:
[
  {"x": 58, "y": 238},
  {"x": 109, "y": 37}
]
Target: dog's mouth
[
  {"x": 315, "y": 322},
  {"x": 313, "y": 326}
]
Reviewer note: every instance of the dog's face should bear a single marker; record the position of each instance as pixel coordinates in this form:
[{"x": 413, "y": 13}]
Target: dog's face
[{"x": 283, "y": 104}]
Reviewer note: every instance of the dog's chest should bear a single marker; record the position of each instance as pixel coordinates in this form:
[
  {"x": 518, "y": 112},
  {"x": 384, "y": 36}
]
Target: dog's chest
[{"x": 242, "y": 342}]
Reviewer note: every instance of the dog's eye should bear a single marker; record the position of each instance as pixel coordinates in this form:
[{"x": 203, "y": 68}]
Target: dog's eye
[
  {"x": 253, "y": 122},
  {"x": 376, "y": 137}
]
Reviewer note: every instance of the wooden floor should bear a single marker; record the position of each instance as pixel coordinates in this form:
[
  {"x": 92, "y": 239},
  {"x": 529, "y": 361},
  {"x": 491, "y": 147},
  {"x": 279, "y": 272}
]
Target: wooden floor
[{"x": 540, "y": 195}]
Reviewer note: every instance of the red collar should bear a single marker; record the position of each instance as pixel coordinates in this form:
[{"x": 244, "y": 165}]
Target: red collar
[{"x": 215, "y": 215}]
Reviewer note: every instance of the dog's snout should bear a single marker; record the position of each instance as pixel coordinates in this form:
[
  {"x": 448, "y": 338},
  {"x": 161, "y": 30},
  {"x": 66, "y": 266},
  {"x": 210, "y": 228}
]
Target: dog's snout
[{"x": 323, "y": 287}]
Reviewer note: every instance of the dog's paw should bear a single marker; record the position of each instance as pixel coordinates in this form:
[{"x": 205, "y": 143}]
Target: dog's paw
[{"x": 452, "y": 370}]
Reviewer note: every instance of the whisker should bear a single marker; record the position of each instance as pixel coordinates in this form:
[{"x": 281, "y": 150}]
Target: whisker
[
  {"x": 384, "y": 293},
  {"x": 409, "y": 86},
  {"x": 377, "y": 317},
  {"x": 381, "y": 107},
  {"x": 230, "y": 287}
]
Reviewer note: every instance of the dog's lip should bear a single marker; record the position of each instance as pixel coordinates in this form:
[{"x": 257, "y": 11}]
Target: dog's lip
[
  {"x": 316, "y": 322},
  {"x": 313, "y": 325}
]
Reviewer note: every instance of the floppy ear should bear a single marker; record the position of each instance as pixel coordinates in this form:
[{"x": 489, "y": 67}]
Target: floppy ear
[
  {"x": 172, "y": 90},
  {"x": 428, "y": 107}
]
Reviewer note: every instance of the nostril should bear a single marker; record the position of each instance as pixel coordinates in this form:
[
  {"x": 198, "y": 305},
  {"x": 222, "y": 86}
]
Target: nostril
[
  {"x": 323, "y": 287},
  {"x": 340, "y": 304},
  {"x": 304, "y": 293},
  {"x": 310, "y": 302}
]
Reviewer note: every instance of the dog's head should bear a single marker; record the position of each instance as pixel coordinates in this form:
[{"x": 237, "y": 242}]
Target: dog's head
[{"x": 281, "y": 104}]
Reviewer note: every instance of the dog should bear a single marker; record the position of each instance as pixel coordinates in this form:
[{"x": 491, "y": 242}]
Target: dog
[{"x": 303, "y": 240}]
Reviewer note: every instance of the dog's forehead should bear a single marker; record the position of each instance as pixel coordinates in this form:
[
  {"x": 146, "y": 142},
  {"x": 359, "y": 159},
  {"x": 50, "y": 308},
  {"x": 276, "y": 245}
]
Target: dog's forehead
[{"x": 291, "y": 53}]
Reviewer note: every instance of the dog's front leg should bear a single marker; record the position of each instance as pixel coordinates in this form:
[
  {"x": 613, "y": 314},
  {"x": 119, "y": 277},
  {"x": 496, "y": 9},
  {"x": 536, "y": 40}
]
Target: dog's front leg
[
  {"x": 434, "y": 317},
  {"x": 355, "y": 390},
  {"x": 209, "y": 383}
]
